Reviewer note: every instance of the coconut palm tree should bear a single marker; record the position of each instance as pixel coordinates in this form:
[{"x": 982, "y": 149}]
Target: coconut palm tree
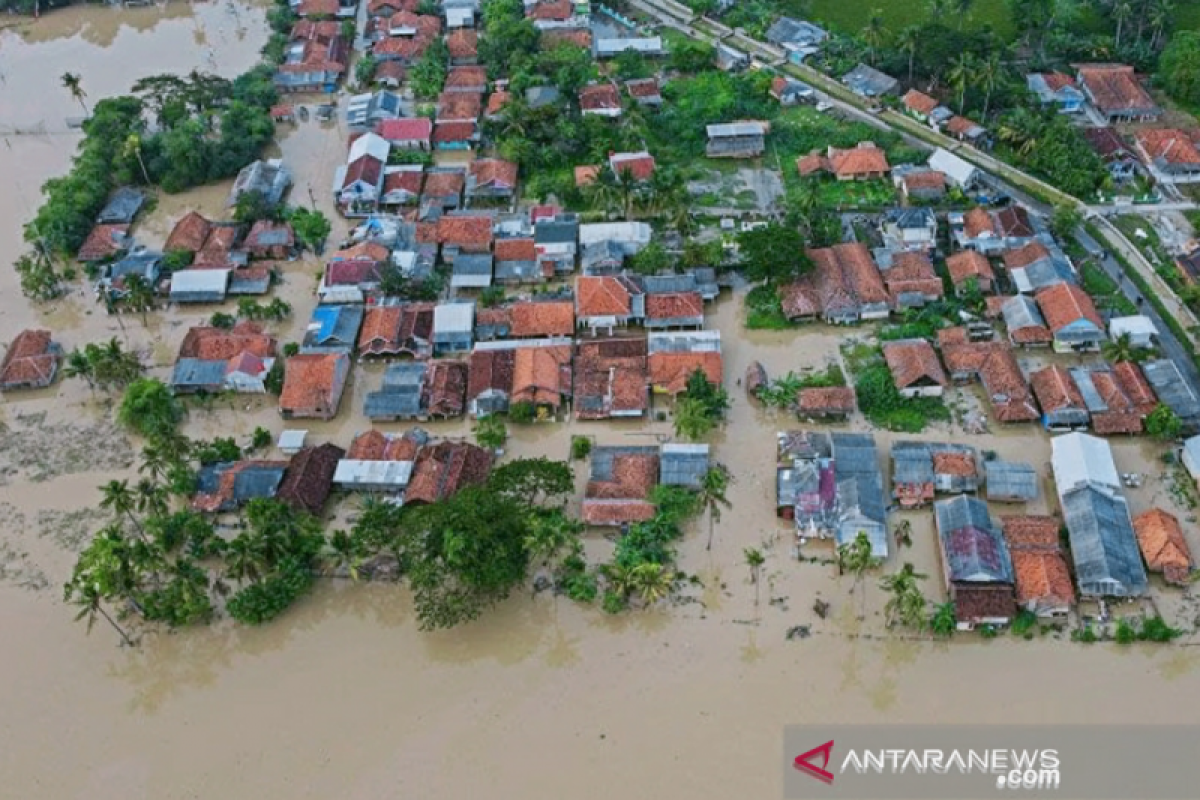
[
  {"x": 120, "y": 500},
  {"x": 873, "y": 34},
  {"x": 962, "y": 76},
  {"x": 245, "y": 559},
  {"x": 73, "y": 84},
  {"x": 1119, "y": 349},
  {"x": 1021, "y": 129},
  {"x": 547, "y": 535},
  {"x": 1159, "y": 17},
  {"x": 76, "y": 365},
  {"x": 962, "y": 9},
  {"x": 630, "y": 188},
  {"x": 86, "y": 597},
  {"x": 939, "y": 9},
  {"x": 1121, "y": 12},
  {"x": 754, "y": 560},
  {"x": 691, "y": 418},
  {"x": 907, "y": 604},
  {"x": 604, "y": 193},
  {"x": 341, "y": 553},
  {"x": 652, "y": 582},
  {"x": 154, "y": 463},
  {"x": 619, "y": 578},
  {"x": 139, "y": 296},
  {"x": 132, "y": 148},
  {"x": 856, "y": 557},
  {"x": 713, "y": 485},
  {"x": 908, "y": 41},
  {"x": 988, "y": 76}
]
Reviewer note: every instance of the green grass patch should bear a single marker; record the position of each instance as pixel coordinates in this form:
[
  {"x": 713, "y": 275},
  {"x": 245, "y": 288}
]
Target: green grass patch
[
  {"x": 840, "y": 195},
  {"x": 849, "y": 16},
  {"x": 1104, "y": 290},
  {"x": 764, "y": 311}
]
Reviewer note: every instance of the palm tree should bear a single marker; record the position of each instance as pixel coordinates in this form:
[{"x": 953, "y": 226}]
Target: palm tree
[
  {"x": 963, "y": 10},
  {"x": 139, "y": 295},
  {"x": 962, "y": 75},
  {"x": 1021, "y": 129},
  {"x": 713, "y": 485},
  {"x": 907, "y": 604},
  {"x": 652, "y": 582},
  {"x": 133, "y": 147},
  {"x": 873, "y": 34},
  {"x": 154, "y": 463},
  {"x": 121, "y": 502},
  {"x": 86, "y": 598},
  {"x": 342, "y": 552},
  {"x": 988, "y": 76},
  {"x": 908, "y": 41},
  {"x": 692, "y": 420},
  {"x": 619, "y": 578},
  {"x": 857, "y": 557},
  {"x": 150, "y": 498},
  {"x": 629, "y": 187},
  {"x": 604, "y": 193},
  {"x": 1121, "y": 13},
  {"x": 1160, "y": 15},
  {"x": 548, "y": 534},
  {"x": 754, "y": 560},
  {"x": 939, "y": 9},
  {"x": 1119, "y": 349},
  {"x": 73, "y": 84},
  {"x": 76, "y": 365},
  {"x": 245, "y": 559}
]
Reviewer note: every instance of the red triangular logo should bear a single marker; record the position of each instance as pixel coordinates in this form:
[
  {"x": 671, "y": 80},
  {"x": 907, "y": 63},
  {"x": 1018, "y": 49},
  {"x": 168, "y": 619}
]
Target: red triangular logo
[{"x": 804, "y": 762}]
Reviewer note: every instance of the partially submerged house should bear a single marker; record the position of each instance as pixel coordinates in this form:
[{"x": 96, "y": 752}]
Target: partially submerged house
[
  {"x": 806, "y": 483},
  {"x": 314, "y": 59},
  {"x": 122, "y": 207},
  {"x": 368, "y": 111},
  {"x": 619, "y": 486},
  {"x": 1173, "y": 390},
  {"x": 922, "y": 469},
  {"x": 313, "y": 384},
  {"x": 1010, "y": 481},
  {"x": 975, "y": 561},
  {"x": 860, "y": 494},
  {"x": 404, "y": 329},
  {"x": 491, "y": 179},
  {"x": 1160, "y": 538},
  {"x": 442, "y": 470},
  {"x": 1103, "y": 543},
  {"x": 228, "y": 486},
  {"x": 608, "y": 302},
  {"x": 611, "y": 379},
  {"x": 683, "y": 465},
  {"x": 332, "y": 329},
  {"x": 994, "y": 365},
  {"x": 420, "y": 390},
  {"x": 1043, "y": 582},
  {"x": 1025, "y": 324},
  {"x": 916, "y": 370},
  {"x": 380, "y": 462},
  {"x": 1072, "y": 318},
  {"x": 1063, "y": 406},
  {"x": 844, "y": 288},
  {"x": 517, "y": 262},
  {"x": 910, "y": 279},
  {"x": 308, "y": 478},
  {"x": 453, "y": 327},
  {"x": 269, "y": 179},
  {"x": 267, "y": 239},
  {"x": 825, "y": 402},
  {"x": 532, "y": 371},
  {"x": 30, "y": 362},
  {"x": 1117, "y": 398},
  {"x": 674, "y": 357}
]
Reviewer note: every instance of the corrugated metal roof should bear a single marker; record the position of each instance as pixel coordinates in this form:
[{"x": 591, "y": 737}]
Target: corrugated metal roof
[
  {"x": 972, "y": 543},
  {"x": 453, "y": 318},
  {"x": 683, "y": 464},
  {"x": 684, "y": 342},
  {"x": 1011, "y": 480},
  {"x": 1103, "y": 544},
  {"x": 602, "y": 458},
  {"x": 351, "y": 473},
  {"x": 1078, "y": 458},
  {"x": 1172, "y": 388}
]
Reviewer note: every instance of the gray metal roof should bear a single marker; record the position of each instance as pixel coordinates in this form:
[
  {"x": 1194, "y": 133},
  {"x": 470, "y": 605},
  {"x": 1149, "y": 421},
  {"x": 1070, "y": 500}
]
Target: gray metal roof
[
  {"x": 736, "y": 129},
  {"x": 911, "y": 218},
  {"x": 860, "y": 481},
  {"x": 451, "y": 318},
  {"x": 1172, "y": 388},
  {"x": 517, "y": 271},
  {"x": 1011, "y": 480},
  {"x": 973, "y": 545},
  {"x": 471, "y": 270},
  {"x": 684, "y": 342},
  {"x": 197, "y": 373},
  {"x": 795, "y": 32},
  {"x": 122, "y": 206},
  {"x": 256, "y": 481},
  {"x": 1022, "y": 312},
  {"x": 602, "y": 458},
  {"x": 683, "y": 464},
  {"x": 241, "y": 283},
  {"x": 803, "y": 445},
  {"x": 868, "y": 81},
  {"x": 269, "y": 178},
  {"x": 563, "y": 229},
  {"x": 1103, "y": 544},
  {"x": 912, "y": 462},
  {"x": 333, "y": 326}
]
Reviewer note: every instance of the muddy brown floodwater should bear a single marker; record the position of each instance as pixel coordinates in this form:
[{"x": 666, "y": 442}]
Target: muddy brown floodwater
[{"x": 343, "y": 697}]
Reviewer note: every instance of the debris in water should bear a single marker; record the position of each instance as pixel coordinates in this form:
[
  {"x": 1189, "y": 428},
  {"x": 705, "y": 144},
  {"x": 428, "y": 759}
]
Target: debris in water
[
  {"x": 798, "y": 632},
  {"x": 821, "y": 608}
]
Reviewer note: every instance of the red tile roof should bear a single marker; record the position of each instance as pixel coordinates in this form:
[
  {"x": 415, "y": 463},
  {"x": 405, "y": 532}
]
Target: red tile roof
[
  {"x": 494, "y": 172},
  {"x": 1055, "y": 389},
  {"x": 490, "y": 370},
  {"x": 543, "y": 318},
  {"x": 317, "y": 8},
  {"x": 912, "y": 272},
  {"x": 634, "y": 475},
  {"x": 822, "y": 400},
  {"x": 309, "y": 383},
  {"x": 1064, "y": 304},
  {"x": 496, "y": 102},
  {"x": 584, "y": 176},
  {"x": 474, "y": 232},
  {"x": 1133, "y": 382},
  {"x": 444, "y": 391},
  {"x": 551, "y": 10},
  {"x": 408, "y": 181},
  {"x": 669, "y": 371},
  {"x": 104, "y": 241},
  {"x": 864, "y": 160},
  {"x": 610, "y": 378},
  {"x": 367, "y": 169},
  {"x": 363, "y": 251},
  {"x": 409, "y": 129},
  {"x": 925, "y": 179},
  {"x": 1006, "y": 387},
  {"x": 599, "y": 97},
  {"x": 643, "y": 88},
  {"x": 458, "y": 106},
  {"x": 463, "y": 43},
  {"x": 580, "y": 37},
  {"x": 674, "y": 305},
  {"x": 542, "y": 375},
  {"x": 913, "y": 361},
  {"x": 1113, "y": 88},
  {"x": 1057, "y": 80},
  {"x": 309, "y": 477},
  {"x": 188, "y": 233},
  {"x": 218, "y": 344},
  {"x": 968, "y": 264},
  {"x": 1038, "y": 565},
  {"x": 520, "y": 248},
  {"x": 919, "y": 102},
  {"x": 603, "y": 296},
  {"x": 444, "y": 184},
  {"x": 466, "y": 78},
  {"x": 447, "y": 132},
  {"x": 961, "y": 126},
  {"x": 641, "y": 165},
  {"x": 1162, "y": 544},
  {"x": 1169, "y": 145},
  {"x": 977, "y": 222},
  {"x": 617, "y": 512},
  {"x": 31, "y": 360},
  {"x": 443, "y": 469}
]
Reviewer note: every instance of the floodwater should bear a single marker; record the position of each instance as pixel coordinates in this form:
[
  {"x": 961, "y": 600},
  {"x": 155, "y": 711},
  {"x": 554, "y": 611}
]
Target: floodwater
[{"x": 344, "y": 697}]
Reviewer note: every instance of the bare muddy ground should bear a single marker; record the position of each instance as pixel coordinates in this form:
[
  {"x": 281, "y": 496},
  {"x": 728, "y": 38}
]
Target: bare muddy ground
[{"x": 542, "y": 698}]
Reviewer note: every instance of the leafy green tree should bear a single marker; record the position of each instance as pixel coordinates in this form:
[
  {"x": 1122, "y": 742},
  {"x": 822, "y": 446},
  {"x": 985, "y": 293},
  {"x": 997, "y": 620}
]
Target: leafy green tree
[
  {"x": 943, "y": 622},
  {"x": 87, "y": 598},
  {"x": 906, "y": 605},
  {"x": 533, "y": 481},
  {"x": 773, "y": 253},
  {"x": 652, "y": 260},
  {"x": 713, "y": 487},
  {"x": 39, "y": 281},
  {"x": 149, "y": 408},
  {"x": 1064, "y": 221},
  {"x": 428, "y": 75},
  {"x": 874, "y": 33},
  {"x": 549, "y": 534},
  {"x": 690, "y": 56},
  {"x": 1164, "y": 424},
  {"x": 491, "y": 432},
  {"x": 139, "y": 296},
  {"x": 1179, "y": 66},
  {"x": 310, "y": 226}
]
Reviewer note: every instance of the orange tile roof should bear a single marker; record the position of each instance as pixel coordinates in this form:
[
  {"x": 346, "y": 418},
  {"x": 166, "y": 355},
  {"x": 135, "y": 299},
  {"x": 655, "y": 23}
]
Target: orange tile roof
[
  {"x": 674, "y": 305},
  {"x": 1170, "y": 145},
  {"x": 188, "y": 233},
  {"x": 1055, "y": 389},
  {"x": 641, "y": 164},
  {"x": 925, "y": 179},
  {"x": 459, "y": 106},
  {"x": 494, "y": 172},
  {"x": 1114, "y": 88},
  {"x": 669, "y": 372},
  {"x": 911, "y": 361},
  {"x": 542, "y": 318},
  {"x": 463, "y": 43},
  {"x": 602, "y": 296},
  {"x": 466, "y": 231},
  {"x": 520, "y": 248},
  {"x": 541, "y": 375},
  {"x": 1021, "y": 257},
  {"x": 919, "y": 102},
  {"x": 643, "y": 88},
  {"x": 1031, "y": 532},
  {"x": 617, "y": 512},
  {"x": 551, "y": 10},
  {"x": 961, "y": 126},
  {"x": 580, "y": 37},
  {"x": 825, "y": 400},
  {"x": 309, "y": 382},
  {"x": 366, "y": 251},
  {"x": 1135, "y": 385},
  {"x": 1057, "y": 80},
  {"x": 599, "y": 97},
  {"x": 1006, "y": 387},
  {"x": 458, "y": 131},
  {"x": 948, "y": 462},
  {"x": 967, "y": 264},
  {"x": 976, "y": 222},
  {"x": 610, "y": 378},
  {"x": 104, "y": 241},
  {"x": 497, "y": 101},
  {"x": 633, "y": 476},
  {"x": 217, "y": 344},
  {"x": 30, "y": 359},
  {"x": 1162, "y": 543},
  {"x": 799, "y": 299},
  {"x": 865, "y": 159},
  {"x": 444, "y": 184},
  {"x": 912, "y": 272},
  {"x": 1038, "y": 565},
  {"x": 380, "y": 328},
  {"x": 1064, "y": 304},
  {"x": 408, "y": 181},
  {"x": 443, "y": 469},
  {"x": 812, "y": 163},
  {"x": 584, "y": 176},
  {"x": 466, "y": 77}
]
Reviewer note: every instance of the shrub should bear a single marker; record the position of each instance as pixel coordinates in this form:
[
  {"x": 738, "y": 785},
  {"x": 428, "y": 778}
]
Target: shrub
[
  {"x": 1126, "y": 632},
  {"x": 1155, "y": 629},
  {"x": 522, "y": 412},
  {"x": 581, "y": 447}
]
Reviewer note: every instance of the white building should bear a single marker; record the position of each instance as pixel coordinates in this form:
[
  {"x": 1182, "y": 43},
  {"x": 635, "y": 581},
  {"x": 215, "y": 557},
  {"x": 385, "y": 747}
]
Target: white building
[{"x": 1079, "y": 459}]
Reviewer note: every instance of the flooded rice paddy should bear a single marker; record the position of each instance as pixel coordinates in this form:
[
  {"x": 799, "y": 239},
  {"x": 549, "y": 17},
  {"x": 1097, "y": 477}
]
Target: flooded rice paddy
[{"x": 343, "y": 697}]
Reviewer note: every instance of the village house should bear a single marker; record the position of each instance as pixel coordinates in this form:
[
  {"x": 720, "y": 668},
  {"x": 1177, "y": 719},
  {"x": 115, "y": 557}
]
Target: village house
[
  {"x": 683, "y": 465},
  {"x": 1010, "y": 481},
  {"x": 491, "y": 179},
  {"x": 674, "y": 357},
  {"x": 30, "y": 362},
  {"x": 912, "y": 474},
  {"x": 366, "y": 112},
  {"x": 608, "y": 302},
  {"x": 911, "y": 280},
  {"x": 844, "y": 288},
  {"x": 308, "y": 478},
  {"x": 104, "y": 242},
  {"x": 214, "y": 360},
  {"x": 1056, "y": 89},
  {"x": 1138, "y": 327},
  {"x": 463, "y": 45},
  {"x": 313, "y": 384},
  {"x": 1112, "y": 149},
  {"x": 402, "y": 185},
  {"x": 619, "y": 485},
  {"x": 1175, "y": 391},
  {"x": 1071, "y": 317},
  {"x": 600, "y": 100},
  {"x": 918, "y": 184},
  {"x": 497, "y": 101},
  {"x": 798, "y": 38},
  {"x": 471, "y": 271},
  {"x": 459, "y": 106},
  {"x": 825, "y": 403},
  {"x": 359, "y": 184},
  {"x": 332, "y": 329},
  {"x": 199, "y": 286},
  {"x": 453, "y": 328},
  {"x": 1169, "y": 153},
  {"x": 419, "y": 390},
  {"x": 960, "y": 174},
  {"x": 915, "y": 368},
  {"x": 397, "y": 330},
  {"x": 639, "y": 165},
  {"x": 353, "y": 273},
  {"x": 975, "y": 561},
  {"x": 966, "y": 130},
  {"x": 543, "y": 318},
  {"x": 994, "y": 365},
  {"x": 324, "y": 9},
  {"x": 406, "y": 134},
  {"x": 611, "y": 379},
  {"x": 869, "y": 82},
  {"x": 1035, "y": 266},
  {"x": 789, "y": 91},
  {"x": 404, "y": 37},
  {"x": 533, "y": 371},
  {"x": 315, "y": 58},
  {"x": 730, "y": 59},
  {"x": 443, "y": 188},
  {"x": 493, "y": 323},
  {"x": 605, "y": 47},
  {"x": 861, "y": 502},
  {"x": 517, "y": 262},
  {"x": 1163, "y": 545},
  {"x": 457, "y": 135},
  {"x": 1063, "y": 407},
  {"x": 122, "y": 207},
  {"x": 466, "y": 79},
  {"x": 544, "y": 12},
  {"x": 228, "y": 486},
  {"x": 700, "y": 279},
  {"x": 925, "y": 108},
  {"x": 1117, "y": 398},
  {"x": 269, "y": 179},
  {"x": 805, "y": 483},
  {"x": 442, "y": 470},
  {"x": 270, "y": 240},
  {"x": 460, "y": 14},
  {"x": 970, "y": 265},
  {"x": 674, "y": 310},
  {"x": 390, "y": 74},
  {"x": 909, "y": 229},
  {"x": 1189, "y": 456},
  {"x": 863, "y": 162},
  {"x": 1116, "y": 93},
  {"x": 556, "y": 242},
  {"x": 743, "y": 139},
  {"x": 379, "y": 462},
  {"x": 146, "y": 264},
  {"x": 464, "y": 233},
  {"x": 1043, "y": 582},
  {"x": 991, "y": 232},
  {"x": 1024, "y": 322}
]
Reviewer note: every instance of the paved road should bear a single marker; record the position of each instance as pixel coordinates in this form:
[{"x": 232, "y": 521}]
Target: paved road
[{"x": 1170, "y": 345}]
